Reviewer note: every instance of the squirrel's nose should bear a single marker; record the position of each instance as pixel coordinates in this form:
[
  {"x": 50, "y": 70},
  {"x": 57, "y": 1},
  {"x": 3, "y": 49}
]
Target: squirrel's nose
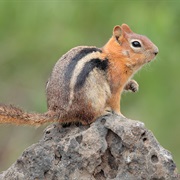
[{"x": 156, "y": 51}]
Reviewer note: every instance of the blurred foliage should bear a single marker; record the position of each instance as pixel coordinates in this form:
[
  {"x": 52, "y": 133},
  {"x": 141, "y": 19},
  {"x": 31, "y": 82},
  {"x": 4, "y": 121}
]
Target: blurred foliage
[{"x": 34, "y": 34}]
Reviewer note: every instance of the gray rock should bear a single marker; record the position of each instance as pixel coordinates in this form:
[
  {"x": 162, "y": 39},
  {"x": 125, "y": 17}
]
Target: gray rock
[{"x": 111, "y": 148}]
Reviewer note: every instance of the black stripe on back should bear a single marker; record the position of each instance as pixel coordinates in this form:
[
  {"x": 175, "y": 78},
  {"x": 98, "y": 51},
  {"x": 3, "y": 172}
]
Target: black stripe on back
[
  {"x": 75, "y": 59},
  {"x": 89, "y": 66}
]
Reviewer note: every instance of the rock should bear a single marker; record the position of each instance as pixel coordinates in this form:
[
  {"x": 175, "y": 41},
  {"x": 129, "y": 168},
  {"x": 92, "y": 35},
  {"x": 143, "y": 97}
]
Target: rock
[{"x": 111, "y": 148}]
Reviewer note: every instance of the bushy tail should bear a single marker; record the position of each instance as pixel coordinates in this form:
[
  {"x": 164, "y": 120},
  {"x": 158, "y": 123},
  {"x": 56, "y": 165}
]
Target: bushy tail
[{"x": 12, "y": 115}]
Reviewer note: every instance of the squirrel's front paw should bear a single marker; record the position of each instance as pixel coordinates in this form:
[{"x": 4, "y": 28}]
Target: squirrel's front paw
[{"x": 132, "y": 86}]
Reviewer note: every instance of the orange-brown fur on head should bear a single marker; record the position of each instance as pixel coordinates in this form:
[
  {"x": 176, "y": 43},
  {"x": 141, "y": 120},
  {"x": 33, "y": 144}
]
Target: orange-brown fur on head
[
  {"x": 120, "y": 48},
  {"x": 125, "y": 59}
]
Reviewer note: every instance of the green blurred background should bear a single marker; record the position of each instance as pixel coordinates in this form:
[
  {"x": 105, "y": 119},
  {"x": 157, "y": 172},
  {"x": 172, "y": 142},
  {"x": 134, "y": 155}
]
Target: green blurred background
[{"x": 34, "y": 34}]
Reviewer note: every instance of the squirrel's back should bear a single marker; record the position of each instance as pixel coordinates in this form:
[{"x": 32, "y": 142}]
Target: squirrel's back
[{"x": 78, "y": 87}]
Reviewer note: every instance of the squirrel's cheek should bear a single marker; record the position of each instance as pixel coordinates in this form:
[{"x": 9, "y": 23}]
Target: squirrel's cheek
[{"x": 126, "y": 53}]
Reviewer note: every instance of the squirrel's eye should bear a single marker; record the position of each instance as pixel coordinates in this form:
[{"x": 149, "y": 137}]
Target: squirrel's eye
[{"x": 136, "y": 44}]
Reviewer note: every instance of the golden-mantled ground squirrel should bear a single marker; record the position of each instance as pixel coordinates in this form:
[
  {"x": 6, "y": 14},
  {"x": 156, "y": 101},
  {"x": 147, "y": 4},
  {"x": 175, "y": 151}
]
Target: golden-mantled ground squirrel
[{"x": 87, "y": 82}]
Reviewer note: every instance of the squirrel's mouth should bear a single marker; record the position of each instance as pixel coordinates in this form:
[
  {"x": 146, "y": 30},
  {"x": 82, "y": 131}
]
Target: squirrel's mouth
[
  {"x": 149, "y": 60},
  {"x": 151, "y": 55}
]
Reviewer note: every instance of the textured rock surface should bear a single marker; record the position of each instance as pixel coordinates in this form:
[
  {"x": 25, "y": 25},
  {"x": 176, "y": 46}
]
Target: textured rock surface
[{"x": 111, "y": 148}]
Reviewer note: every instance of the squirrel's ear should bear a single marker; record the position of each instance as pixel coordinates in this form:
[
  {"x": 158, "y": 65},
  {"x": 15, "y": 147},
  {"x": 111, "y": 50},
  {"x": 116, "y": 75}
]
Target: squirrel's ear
[
  {"x": 117, "y": 32},
  {"x": 126, "y": 28}
]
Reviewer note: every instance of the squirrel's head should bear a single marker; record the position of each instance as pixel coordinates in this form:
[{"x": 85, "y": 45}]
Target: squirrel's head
[{"x": 136, "y": 49}]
